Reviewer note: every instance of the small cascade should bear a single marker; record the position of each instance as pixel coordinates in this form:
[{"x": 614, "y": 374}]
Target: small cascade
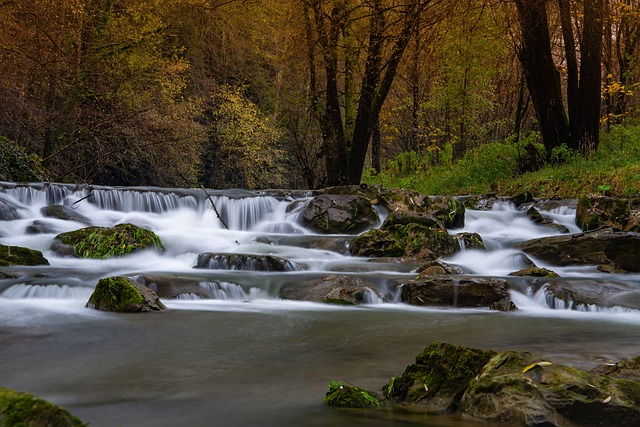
[
  {"x": 250, "y": 262},
  {"x": 21, "y": 290},
  {"x": 224, "y": 290},
  {"x": 246, "y": 213},
  {"x": 140, "y": 201},
  {"x": 544, "y": 299}
]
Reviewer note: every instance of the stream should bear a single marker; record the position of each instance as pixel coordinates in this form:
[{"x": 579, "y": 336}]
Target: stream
[{"x": 248, "y": 357}]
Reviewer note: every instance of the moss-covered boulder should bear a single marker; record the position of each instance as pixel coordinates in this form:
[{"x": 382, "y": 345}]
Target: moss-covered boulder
[
  {"x": 332, "y": 289},
  {"x": 534, "y": 272},
  {"x": 124, "y": 295},
  {"x": 411, "y": 240},
  {"x": 438, "y": 378},
  {"x": 471, "y": 241},
  {"x": 347, "y": 396},
  {"x": 106, "y": 242},
  {"x": 595, "y": 211},
  {"x": 339, "y": 214},
  {"x": 16, "y": 255},
  {"x": 26, "y": 410},
  {"x": 458, "y": 292}
]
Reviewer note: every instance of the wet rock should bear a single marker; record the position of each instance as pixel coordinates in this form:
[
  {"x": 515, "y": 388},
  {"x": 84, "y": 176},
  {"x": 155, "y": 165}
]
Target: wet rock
[
  {"x": 458, "y": 292},
  {"x": 24, "y": 409},
  {"x": 534, "y": 272},
  {"x": 410, "y": 240},
  {"x": 333, "y": 289},
  {"x": 470, "y": 241},
  {"x": 170, "y": 287},
  {"x": 251, "y": 262},
  {"x": 628, "y": 370},
  {"x": 346, "y": 396},
  {"x": 406, "y": 218},
  {"x": 620, "y": 249},
  {"x": 536, "y": 217},
  {"x": 123, "y": 294},
  {"x": 591, "y": 294},
  {"x": 16, "y": 255},
  {"x": 106, "y": 242},
  {"x": 438, "y": 268},
  {"x": 9, "y": 210},
  {"x": 595, "y": 211},
  {"x": 339, "y": 214},
  {"x": 438, "y": 378},
  {"x": 39, "y": 227},
  {"x": 65, "y": 213}
]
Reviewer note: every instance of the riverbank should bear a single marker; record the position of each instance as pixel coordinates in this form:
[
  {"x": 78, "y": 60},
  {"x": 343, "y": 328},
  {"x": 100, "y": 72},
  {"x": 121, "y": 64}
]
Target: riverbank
[{"x": 613, "y": 170}]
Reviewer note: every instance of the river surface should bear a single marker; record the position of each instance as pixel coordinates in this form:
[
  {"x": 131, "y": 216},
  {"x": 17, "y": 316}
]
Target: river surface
[{"x": 248, "y": 357}]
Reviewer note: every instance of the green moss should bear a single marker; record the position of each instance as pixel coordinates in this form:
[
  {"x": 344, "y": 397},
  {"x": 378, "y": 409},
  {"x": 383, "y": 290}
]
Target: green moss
[
  {"x": 26, "y": 410},
  {"x": 116, "y": 294},
  {"x": 345, "y": 396},
  {"x": 101, "y": 242},
  {"x": 16, "y": 255}
]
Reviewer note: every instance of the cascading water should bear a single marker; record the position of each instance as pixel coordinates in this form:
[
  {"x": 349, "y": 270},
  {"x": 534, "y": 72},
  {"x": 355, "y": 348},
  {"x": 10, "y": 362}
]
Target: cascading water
[{"x": 244, "y": 356}]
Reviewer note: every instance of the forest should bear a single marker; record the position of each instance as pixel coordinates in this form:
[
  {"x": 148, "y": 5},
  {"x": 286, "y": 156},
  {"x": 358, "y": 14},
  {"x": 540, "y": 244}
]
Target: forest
[{"x": 308, "y": 93}]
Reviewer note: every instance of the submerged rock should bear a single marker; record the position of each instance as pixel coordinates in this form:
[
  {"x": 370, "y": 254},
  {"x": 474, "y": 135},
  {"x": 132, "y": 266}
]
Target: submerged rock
[
  {"x": 24, "y": 409},
  {"x": 332, "y": 289},
  {"x": 619, "y": 249},
  {"x": 16, "y": 255},
  {"x": 104, "y": 242},
  {"x": 339, "y": 214},
  {"x": 251, "y": 262},
  {"x": 124, "y": 295},
  {"x": 458, "y": 292},
  {"x": 515, "y": 388}
]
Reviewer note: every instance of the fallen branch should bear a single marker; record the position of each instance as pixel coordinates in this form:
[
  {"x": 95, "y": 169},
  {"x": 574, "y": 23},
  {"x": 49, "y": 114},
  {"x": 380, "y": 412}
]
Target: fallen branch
[{"x": 215, "y": 209}]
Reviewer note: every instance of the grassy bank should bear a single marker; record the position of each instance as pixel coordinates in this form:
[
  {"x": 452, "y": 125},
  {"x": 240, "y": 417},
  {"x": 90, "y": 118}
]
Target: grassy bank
[{"x": 614, "y": 169}]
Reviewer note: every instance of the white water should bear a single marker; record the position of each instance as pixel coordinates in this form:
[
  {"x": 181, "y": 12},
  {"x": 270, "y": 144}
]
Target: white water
[{"x": 248, "y": 357}]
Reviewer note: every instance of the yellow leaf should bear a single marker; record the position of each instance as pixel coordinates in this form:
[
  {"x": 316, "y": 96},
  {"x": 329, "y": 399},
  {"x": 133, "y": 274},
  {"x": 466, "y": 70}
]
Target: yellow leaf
[{"x": 533, "y": 365}]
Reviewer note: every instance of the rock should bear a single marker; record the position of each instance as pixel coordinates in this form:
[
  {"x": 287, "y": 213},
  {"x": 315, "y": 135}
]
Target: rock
[
  {"x": 16, "y": 255},
  {"x": 39, "y": 227},
  {"x": 470, "y": 241},
  {"x": 346, "y": 396},
  {"x": 170, "y": 287},
  {"x": 628, "y": 369},
  {"x": 252, "y": 262},
  {"x": 406, "y": 218},
  {"x": 448, "y": 210},
  {"x": 620, "y": 249},
  {"x": 438, "y": 268},
  {"x": 9, "y": 210},
  {"x": 586, "y": 294},
  {"x": 24, "y": 409},
  {"x": 595, "y": 211},
  {"x": 123, "y": 295},
  {"x": 65, "y": 213},
  {"x": 534, "y": 272},
  {"x": 524, "y": 389},
  {"x": 438, "y": 378},
  {"x": 536, "y": 217},
  {"x": 410, "y": 240},
  {"x": 458, "y": 292},
  {"x": 103, "y": 242},
  {"x": 338, "y": 214},
  {"x": 333, "y": 289}
]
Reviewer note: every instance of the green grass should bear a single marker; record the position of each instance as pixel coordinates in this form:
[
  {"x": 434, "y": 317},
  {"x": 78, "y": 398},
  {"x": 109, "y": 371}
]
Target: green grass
[{"x": 614, "y": 169}]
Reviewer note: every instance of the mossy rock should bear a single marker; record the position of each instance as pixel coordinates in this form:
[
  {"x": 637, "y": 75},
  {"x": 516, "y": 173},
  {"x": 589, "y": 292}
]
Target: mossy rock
[
  {"x": 339, "y": 214},
  {"x": 346, "y": 396},
  {"x": 16, "y": 255},
  {"x": 26, "y": 410},
  {"x": 595, "y": 211},
  {"x": 103, "y": 242},
  {"x": 124, "y": 295},
  {"x": 64, "y": 213},
  {"x": 535, "y": 272}
]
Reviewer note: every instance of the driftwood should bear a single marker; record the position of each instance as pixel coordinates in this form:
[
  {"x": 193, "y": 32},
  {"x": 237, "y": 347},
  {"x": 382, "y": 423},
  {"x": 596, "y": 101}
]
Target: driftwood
[{"x": 215, "y": 209}]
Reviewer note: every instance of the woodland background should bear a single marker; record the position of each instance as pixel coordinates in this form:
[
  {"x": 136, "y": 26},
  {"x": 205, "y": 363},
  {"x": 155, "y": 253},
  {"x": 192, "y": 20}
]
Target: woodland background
[{"x": 307, "y": 93}]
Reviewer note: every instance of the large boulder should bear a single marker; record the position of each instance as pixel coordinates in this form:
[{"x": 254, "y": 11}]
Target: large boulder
[
  {"x": 106, "y": 242},
  {"x": 595, "y": 211},
  {"x": 332, "y": 289},
  {"x": 16, "y": 255},
  {"x": 24, "y": 409},
  {"x": 458, "y": 292},
  {"x": 606, "y": 247},
  {"x": 65, "y": 213},
  {"x": 251, "y": 262},
  {"x": 411, "y": 240},
  {"x": 339, "y": 214},
  {"x": 124, "y": 295}
]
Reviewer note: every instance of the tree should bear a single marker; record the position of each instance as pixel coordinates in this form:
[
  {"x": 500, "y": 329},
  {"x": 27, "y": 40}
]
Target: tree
[
  {"x": 348, "y": 36},
  {"x": 579, "y": 129}
]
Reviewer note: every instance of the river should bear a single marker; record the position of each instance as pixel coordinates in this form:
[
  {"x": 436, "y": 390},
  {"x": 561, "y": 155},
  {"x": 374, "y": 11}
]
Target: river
[{"x": 248, "y": 357}]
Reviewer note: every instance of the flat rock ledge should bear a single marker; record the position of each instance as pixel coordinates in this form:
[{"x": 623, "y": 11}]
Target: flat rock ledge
[{"x": 510, "y": 387}]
